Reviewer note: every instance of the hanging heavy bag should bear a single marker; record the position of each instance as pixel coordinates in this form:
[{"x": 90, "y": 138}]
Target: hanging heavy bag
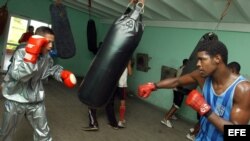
[
  {"x": 3, "y": 17},
  {"x": 91, "y": 36},
  {"x": 64, "y": 42},
  {"x": 118, "y": 46}
]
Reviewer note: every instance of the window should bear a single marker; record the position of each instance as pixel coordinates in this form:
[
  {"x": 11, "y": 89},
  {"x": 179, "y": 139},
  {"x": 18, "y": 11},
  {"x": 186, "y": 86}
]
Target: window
[
  {"x": 16, "y": 28},
  {"x": 37, "y": 24}
]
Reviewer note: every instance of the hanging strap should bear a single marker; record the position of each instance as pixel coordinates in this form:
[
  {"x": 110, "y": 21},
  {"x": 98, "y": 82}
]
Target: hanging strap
[
  {"x": 5, "y": 5},
  {"x": 58, "y": 2},
  {"x": 6, "y": 2},
  {"x": 90, "y": 6},
  {"x": 224, "y": 13}
]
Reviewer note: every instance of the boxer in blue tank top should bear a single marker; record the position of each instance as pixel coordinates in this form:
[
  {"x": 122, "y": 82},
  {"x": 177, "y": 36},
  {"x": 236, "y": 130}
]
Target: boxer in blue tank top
[{"x": 225, "y": 96}]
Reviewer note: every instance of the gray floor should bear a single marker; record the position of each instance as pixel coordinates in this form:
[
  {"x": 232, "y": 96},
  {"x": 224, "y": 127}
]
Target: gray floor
[{"x": 67, "y": 115}]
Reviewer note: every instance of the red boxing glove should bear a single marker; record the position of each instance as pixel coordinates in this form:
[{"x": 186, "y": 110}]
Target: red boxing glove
[
  {"x": 33, "y": 48},
  {"x": 68, "y": 78},
  {"x": 145, "y": 90},
  {"x": 198, "y": 103}
]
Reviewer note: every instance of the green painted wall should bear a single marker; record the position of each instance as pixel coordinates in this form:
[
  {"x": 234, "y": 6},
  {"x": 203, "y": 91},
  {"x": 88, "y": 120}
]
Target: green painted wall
[
  {"x": 168, "y": 46},
  {"x": 80, "y": 62},
  {"x": 36, "y": 9}
]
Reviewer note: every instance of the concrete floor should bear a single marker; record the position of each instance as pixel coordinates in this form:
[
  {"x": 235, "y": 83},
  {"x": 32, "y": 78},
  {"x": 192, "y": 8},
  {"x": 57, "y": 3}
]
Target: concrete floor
[{"x": 67, "y": 115}]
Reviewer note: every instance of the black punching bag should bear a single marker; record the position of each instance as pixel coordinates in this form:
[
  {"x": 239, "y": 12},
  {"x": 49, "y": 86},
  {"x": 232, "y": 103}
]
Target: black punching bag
[
  {"x": 3, "y": 17},
  {"x": 118, "y": 46},
  {"x": 64, "y": 42},
  {"x": 92, "y": 36}
]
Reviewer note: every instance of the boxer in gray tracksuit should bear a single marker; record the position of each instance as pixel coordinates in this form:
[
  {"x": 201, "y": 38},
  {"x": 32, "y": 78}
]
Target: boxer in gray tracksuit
[{"x": 22, "y": 86}]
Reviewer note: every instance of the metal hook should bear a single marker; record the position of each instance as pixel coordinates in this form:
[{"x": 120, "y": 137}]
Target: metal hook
[{"x": 141, "y": 6}]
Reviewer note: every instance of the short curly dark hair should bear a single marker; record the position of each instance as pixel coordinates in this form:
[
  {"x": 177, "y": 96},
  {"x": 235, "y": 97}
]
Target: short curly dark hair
[
  {"x": 42, "y": 30},
  {"x": 234, "y": 66},
  {"x": 214, "y": 47}
]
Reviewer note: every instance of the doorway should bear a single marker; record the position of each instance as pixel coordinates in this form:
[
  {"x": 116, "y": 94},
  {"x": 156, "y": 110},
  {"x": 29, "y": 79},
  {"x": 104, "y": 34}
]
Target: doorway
[{"x": 17, "y": 27}]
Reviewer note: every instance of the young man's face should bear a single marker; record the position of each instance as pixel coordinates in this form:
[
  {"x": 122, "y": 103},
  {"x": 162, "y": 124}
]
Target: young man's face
[
  {"x": 49, "y": 46},
  {"x": 206, "y": 64}
]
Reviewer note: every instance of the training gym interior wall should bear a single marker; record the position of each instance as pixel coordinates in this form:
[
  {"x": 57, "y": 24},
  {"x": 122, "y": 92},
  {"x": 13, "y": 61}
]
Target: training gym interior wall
[
  {"x": 165, "y": 46},
  {"x": 169, "y": 46}
]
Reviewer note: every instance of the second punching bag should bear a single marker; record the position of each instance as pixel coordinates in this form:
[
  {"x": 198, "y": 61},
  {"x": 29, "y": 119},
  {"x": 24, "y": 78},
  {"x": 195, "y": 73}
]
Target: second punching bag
[
  {"x": 118, "y": 46},
  {"x": 3, "y": 17}
]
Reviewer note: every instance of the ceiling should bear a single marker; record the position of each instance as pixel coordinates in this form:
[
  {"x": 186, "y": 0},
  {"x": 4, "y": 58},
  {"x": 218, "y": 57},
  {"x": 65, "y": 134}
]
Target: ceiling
[{"x": 203, "y": 14}]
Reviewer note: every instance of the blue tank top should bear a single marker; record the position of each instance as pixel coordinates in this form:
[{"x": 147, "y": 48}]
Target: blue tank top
[{"x": 220, "y": 105}]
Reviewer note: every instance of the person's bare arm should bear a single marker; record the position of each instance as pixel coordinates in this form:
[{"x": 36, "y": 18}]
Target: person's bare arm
[
  {"x": 129, "y": 68},
  {"x": 21, "y": 38},
  {"x": 240, "y": 113},
  {"x": 145, "y": 90},
  {"x": 241, "y": 105},
  {"x": 193, "y": 77}
]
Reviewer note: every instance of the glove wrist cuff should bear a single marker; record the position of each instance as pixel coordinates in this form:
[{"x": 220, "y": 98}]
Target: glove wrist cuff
[
  {"x": 207, "y": 114},
  {"x": 156, "y": 87}
]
